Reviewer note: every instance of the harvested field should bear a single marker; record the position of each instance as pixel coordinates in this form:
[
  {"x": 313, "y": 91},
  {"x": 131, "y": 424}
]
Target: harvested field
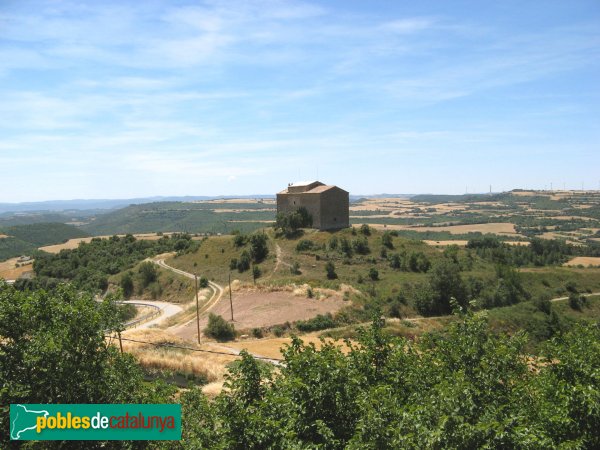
[
  {"x": 9, "y": 270},
  {"x": 446, "y": 243},
  {"x": 226, "y": 210},
  {"x": 2, "y": 236},
  {"x": 74, "y": 243},
  {"x": 495, "y": 228},
  {"x": 271, "y": 348},
  {"x": 253, "y": 309},
  {"x": 584, "y": 261}
]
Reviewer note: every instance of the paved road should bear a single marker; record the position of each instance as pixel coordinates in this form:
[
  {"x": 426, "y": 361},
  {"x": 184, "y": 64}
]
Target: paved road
[{"x": 165, "y": 310}]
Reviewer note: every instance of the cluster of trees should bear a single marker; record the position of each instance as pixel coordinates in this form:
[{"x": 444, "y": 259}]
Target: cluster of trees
[
  {"x": 53, "y": 350},
  {"x": 255, "y": 250},
  {"x": 89, "y": 265},
  {"x": 410, "y": 262},
  {"x": 289, "y": 223},
  {"x": 446, "y": 288},
  {"x": 146, "y": 278},
  {"x": 540, "y": 252},
  {"x": 469, "y": 388}
]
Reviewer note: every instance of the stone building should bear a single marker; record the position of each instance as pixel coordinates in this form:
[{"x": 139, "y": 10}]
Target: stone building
[{"x": 328, "y": 205}]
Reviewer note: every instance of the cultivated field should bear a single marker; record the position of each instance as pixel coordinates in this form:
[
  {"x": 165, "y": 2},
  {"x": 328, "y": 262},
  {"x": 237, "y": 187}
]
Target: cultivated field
[
  {"x": 263, "y": 308},
  {"x": 10, "y": 271},
  {"x": 584, "y": 261}
]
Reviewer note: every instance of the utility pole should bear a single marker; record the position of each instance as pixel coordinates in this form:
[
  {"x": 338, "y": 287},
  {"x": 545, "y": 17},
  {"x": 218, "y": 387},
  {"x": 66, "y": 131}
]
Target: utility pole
[
  {"x": 230, "y": 300},
  {"x": 197, "y": 307},
  {"x": 120, "y": 341}
]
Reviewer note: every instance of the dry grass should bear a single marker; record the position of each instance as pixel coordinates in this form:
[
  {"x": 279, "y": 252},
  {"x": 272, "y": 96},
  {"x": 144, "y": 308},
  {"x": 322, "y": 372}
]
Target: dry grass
[
  {"x": 211, "y": 390},
  {"x": 10, "y": 271},
  {"x": 495, "y": 228},
  {"x": 2, "y": 236},
  {"x": 210, "y": 366},
  {"x": 584, "y": 261},
  {"x": 74, "y": 243},
  {"x": 271, "y": 348}
]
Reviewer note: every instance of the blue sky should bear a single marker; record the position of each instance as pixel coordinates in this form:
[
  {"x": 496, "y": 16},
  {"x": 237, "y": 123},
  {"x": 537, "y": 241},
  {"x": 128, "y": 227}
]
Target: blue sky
[{"x": 129, "y": 98}]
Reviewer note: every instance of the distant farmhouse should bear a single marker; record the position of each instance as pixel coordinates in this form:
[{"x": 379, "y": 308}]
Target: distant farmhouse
[{"x": 328, "y": 205}]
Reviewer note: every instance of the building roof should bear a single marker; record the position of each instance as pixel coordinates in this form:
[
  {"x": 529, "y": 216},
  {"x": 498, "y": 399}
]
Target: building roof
[
  {"x": 319, "y": 189},
  {"x": 315, "y": 190},
  {"x": 303, "y": 183}
]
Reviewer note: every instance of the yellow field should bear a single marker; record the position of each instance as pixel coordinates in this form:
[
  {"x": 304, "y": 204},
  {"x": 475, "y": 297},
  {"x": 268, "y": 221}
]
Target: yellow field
[
  {"x": 584, "y": 261},
  {"x": 74, "y": 243},
  {"x": 9, "y": 271},
  {"x": 495, "y": 228},
  {"x": 271, "y": 348},
  {"x": 2, "y": 236}
]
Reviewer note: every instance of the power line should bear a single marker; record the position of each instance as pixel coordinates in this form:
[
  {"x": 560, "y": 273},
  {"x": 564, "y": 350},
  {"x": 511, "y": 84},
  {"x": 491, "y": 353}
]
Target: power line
[{"x": 194, "y": 349}]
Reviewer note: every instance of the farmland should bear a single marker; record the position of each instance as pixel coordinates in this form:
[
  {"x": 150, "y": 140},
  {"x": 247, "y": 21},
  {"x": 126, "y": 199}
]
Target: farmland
[{"x": 420, "y": 270}]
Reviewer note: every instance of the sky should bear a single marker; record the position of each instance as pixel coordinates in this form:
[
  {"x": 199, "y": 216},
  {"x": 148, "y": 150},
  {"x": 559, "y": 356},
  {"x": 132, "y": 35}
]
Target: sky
[{"x": 123, "y": 99}]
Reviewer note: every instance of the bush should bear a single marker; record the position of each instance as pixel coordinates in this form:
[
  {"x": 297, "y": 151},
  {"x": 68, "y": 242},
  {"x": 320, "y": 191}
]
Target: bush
[
  {"x": 239, "y": 240},
  {"x": 278, "y": 331},
  {"x": 373, "y": 274},
  {"x": 243, "y": 263},
  {"x": 256, "y": 273},
  {"x": 330, "y": 269},
  {"x": 127, "y": 284},
  {"x": 295, "y": 268},
  {"x": 219, "y": 329},
  {"x": 148, "y": 273},
  {"x": 320, "y": 322},
  {"x": 365, "y": 230},
  {"x": 257, "y": 333},
  {"x": 361, "y": 246},
  {"x": 203, "y": 282},
  {"x": 304, "y": 245}
]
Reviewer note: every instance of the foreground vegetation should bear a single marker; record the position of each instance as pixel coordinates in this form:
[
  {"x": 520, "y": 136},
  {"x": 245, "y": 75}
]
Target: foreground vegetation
[{"x": 465, "y": 388}]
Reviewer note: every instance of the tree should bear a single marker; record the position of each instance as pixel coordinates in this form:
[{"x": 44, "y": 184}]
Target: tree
[
  {"x": 53, "y": 350},
  {"x": 219, "y": 329},
  {"x": 444, "y": 283},
  {"x": 330, "y": 270},
  {"x": 373, "y": 274},
  {"x": 387, "y": 240},
  {"x": 203, "y": 282},
  {"x": 258, "y": 247},
  {"x": 256, "y": 273},
  {"x": 127, "y": 284},
  {"x": 289, "y": 223},
  {"x": 148, "y": 273}
]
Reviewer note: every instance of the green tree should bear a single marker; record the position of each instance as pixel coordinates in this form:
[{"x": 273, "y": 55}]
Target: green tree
[
  {"x": 258, "y": 247},
  {"x": 330, "y": 270},
  {"x": 219, "y": 329},
  {"x": 53, "y": 350},
  {"x": 148, "y": 273},
  {"x": 127, "y": 284}
]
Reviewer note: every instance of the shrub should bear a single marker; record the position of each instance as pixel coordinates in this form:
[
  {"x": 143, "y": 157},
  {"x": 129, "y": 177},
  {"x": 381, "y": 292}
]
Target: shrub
[
  {"x": 304, "y": 245},
  {"x": 361, "y": 246},
  {"x": 278, "y": 331},
  {"x": 203, "y": 282},
  {"x": 373, "y": 274},
  {"x": 219, "y": 329},
  {"x": 365, "y": 230},
  {"x": 320, "y": 322},
  {"x": 148, "y": 273},
  {"x": 295, "y": 268},
  {"x": 257, "y": 333},
  {"x": 127, "y": 284},
  {"x": 330, "y": 269}
]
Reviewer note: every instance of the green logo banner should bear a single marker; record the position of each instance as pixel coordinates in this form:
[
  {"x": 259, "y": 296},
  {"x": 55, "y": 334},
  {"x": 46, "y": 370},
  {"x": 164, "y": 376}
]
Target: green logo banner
[{"x": 98, "y": 422}]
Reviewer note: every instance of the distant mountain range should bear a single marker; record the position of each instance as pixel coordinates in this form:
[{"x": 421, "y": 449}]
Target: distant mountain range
[{"x": 108, "y": 204}]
